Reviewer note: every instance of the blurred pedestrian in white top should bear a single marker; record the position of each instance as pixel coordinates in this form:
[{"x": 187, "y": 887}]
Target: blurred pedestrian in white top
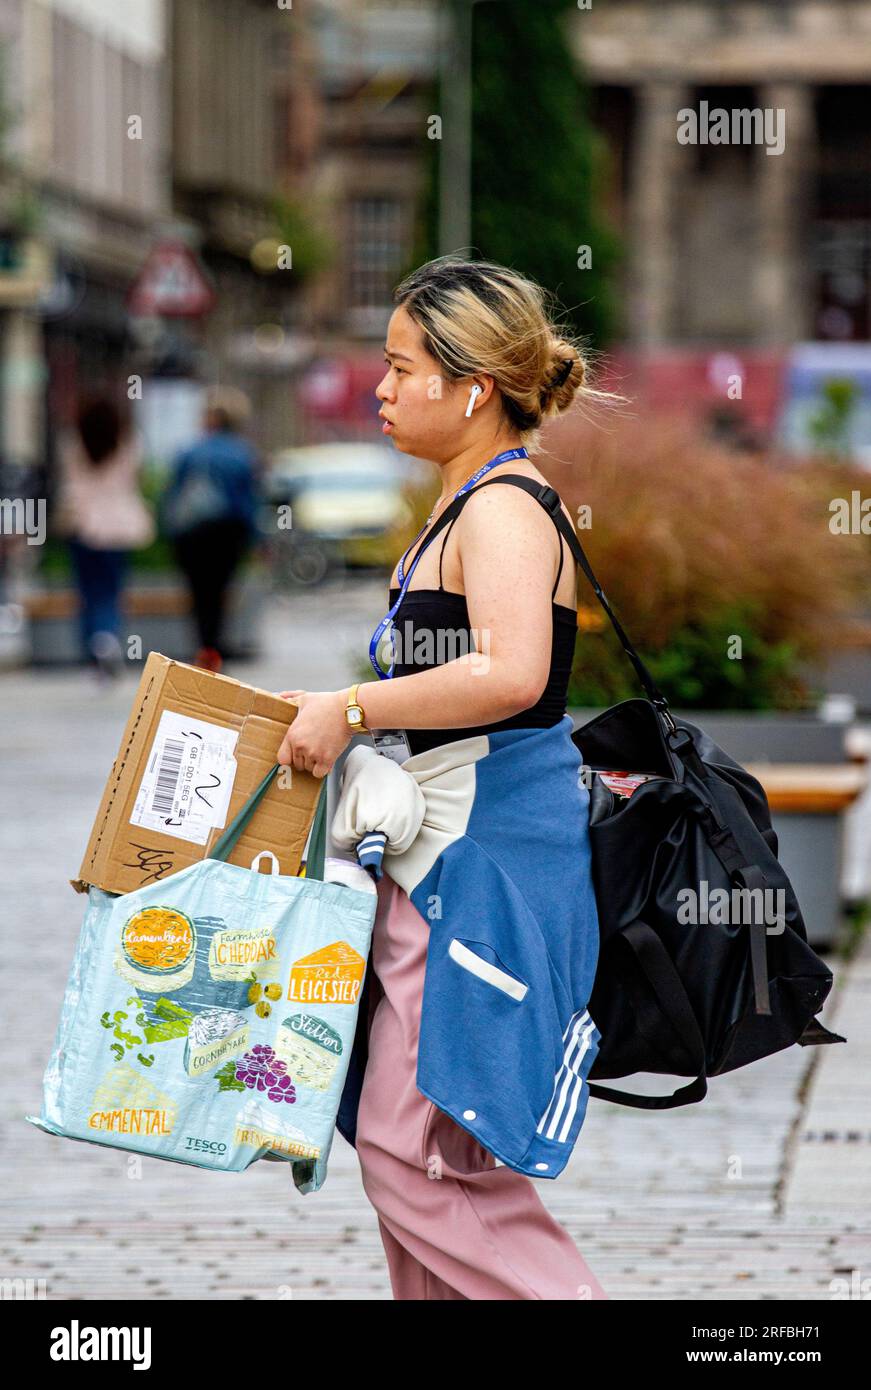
[{"x": 104, "y": 517}]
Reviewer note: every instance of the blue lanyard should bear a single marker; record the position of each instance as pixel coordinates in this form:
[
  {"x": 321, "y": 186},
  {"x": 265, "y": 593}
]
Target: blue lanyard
[{"x": 405, "y": 579}]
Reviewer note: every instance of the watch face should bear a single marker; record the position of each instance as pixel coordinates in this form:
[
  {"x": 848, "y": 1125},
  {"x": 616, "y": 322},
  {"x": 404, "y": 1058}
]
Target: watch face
[{"x": 355, "y": 715}]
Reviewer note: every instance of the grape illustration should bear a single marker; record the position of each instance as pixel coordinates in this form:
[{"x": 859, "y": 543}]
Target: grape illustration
[{"x": 261, "y": 1070}]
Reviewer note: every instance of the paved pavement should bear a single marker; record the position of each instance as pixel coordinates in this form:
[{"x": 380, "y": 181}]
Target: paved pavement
[{"x": 741, "y": 1197}]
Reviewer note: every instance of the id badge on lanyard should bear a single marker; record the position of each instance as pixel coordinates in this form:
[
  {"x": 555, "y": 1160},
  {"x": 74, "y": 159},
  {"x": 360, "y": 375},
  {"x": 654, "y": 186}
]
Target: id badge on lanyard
[{"x": 391, "y": 743}]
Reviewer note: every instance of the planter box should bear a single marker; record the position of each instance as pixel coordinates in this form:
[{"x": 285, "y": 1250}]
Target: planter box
[
  {"x": 847, "y": 669},
  {"x": 158, "y": 612},
  {"x": 809, "y": 808}
]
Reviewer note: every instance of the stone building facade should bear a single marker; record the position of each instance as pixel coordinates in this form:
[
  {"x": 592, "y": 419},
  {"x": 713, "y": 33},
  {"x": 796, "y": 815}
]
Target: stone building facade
[
  {"x": 725, "y": 243},
  {"x": 729, "y": 243}
]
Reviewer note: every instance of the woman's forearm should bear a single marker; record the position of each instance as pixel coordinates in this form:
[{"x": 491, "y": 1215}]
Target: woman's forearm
[{"x": 459, "y": 694}]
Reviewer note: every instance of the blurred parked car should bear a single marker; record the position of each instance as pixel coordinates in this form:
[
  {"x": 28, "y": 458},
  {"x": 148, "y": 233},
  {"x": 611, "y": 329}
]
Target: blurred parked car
[{"x": 347, "y": 503}]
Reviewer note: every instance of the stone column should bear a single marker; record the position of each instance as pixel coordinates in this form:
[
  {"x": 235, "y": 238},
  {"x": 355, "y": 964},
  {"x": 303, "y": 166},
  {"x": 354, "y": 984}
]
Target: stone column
[
  {"x": 780, "y": 282},
  {"x": 658, "y": 162}
]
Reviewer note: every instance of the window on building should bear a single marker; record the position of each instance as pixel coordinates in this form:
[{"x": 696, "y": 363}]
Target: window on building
[
  {"x": 841, "y": 251},
  {"x": 283, "y": 124},
  {"x": 377, "y": 237}
]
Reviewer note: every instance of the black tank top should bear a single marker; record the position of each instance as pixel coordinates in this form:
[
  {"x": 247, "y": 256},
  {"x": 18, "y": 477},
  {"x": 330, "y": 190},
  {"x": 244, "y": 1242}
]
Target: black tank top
[{"x": 432, "y": 627}]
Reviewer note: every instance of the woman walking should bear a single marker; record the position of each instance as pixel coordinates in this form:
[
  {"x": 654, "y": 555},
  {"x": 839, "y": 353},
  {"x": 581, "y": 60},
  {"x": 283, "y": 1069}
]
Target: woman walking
[
  {"x": 105, "y": 518},
  {"x": 470, "y": 1066}
]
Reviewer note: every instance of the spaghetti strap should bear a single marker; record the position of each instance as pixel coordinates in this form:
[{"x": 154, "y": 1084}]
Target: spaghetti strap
[
  {"x": 442, "y": 549},
  {"x": 448, "y": 532},
  {"x": 462, "y": 501}
]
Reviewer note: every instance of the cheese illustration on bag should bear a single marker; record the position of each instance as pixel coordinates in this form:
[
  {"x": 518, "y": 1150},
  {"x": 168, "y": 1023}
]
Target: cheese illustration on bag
[
  {"x": 157, "y": 949},
  {"x": 234, "y": 952},
  {"x": 333, "y": 975},
  {"x": 259, "y": 1127},
  {"x": 215, "y": 1036},
  {"x": 311, "y": 1049},
  {"x": 125, "y": 1102}
]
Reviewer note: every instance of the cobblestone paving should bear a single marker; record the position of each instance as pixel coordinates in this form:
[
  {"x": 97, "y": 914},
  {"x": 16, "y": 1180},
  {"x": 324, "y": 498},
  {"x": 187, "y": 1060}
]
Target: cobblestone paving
[{"x": 741, "y": 1197}]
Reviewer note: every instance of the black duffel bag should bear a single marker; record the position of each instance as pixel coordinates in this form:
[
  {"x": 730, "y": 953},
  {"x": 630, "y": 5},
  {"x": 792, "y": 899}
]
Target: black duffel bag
[{"x": 704, "y": 963}]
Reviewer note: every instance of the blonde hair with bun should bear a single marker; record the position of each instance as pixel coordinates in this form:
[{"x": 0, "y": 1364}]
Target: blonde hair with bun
[{"x": 480, "y": 317}]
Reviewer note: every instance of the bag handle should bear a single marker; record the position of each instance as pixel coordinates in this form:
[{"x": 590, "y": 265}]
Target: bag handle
[
  {"x": 549, "y": 499},
  {"x": 673, "y": 1003},
  {"x": 314, "y": 864},
  {"x": 317, "y": 845}
]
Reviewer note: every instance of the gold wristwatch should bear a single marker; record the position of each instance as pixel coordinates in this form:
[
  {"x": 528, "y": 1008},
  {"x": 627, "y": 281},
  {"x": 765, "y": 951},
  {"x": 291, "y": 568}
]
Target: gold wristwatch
[{"x": 354, "y": 712}]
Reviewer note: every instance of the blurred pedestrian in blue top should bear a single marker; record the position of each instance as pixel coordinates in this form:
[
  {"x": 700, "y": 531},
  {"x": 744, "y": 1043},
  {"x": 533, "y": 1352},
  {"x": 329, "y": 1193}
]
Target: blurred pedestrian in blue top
[{"x": 209, "y": 511}]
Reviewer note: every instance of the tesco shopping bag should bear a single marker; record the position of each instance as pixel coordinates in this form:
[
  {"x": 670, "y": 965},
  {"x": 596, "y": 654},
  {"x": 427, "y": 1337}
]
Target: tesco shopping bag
[{"x": 209, "y": 1019}]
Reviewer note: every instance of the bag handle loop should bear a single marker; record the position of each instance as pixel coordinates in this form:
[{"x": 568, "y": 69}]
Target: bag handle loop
[
  {"x": 669, "y": 994},
  {"x": 314, "y": 863}
]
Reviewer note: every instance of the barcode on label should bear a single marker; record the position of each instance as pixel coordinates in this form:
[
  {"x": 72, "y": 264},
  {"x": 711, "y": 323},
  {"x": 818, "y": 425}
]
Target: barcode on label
[{"x": 167, "y": 776}]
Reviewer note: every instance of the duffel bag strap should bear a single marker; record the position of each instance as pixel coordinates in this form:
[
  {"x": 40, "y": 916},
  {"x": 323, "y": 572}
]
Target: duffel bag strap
[
  {"x": 549, "y": 499},
  {"x": 750, "y": 876},
  {"x": 226, "y": 843},
  {"x": 673, "y": 1001}
]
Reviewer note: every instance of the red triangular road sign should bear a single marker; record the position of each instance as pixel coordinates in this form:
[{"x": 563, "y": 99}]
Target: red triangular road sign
[{"x": 171, "y": 284}]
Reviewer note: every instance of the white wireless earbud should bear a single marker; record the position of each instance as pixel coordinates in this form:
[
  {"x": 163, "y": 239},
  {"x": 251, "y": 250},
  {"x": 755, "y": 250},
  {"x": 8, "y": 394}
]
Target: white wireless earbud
[{"x": 473, "y": 395}]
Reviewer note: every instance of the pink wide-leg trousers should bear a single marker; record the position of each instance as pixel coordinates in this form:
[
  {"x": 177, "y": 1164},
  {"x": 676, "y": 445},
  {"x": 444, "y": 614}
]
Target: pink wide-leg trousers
[{"x": 454, "y": 1224}]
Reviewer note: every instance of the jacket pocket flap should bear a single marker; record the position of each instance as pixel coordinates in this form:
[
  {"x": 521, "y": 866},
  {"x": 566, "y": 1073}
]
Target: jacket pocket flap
[{"x": 486, "y": 970}]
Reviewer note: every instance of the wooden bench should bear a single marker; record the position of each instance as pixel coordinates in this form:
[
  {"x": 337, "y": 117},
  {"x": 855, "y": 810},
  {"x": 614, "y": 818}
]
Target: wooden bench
[
  {"x": 135, "y": 602},
  {"x": 160, "y": 615},
  {"x": 809, "y": 804},
  {"x": 811, "y": 789}
]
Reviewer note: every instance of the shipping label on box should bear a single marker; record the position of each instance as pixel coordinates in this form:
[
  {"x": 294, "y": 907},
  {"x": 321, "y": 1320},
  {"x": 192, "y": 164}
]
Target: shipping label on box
[{"x": 189, "y": 774}]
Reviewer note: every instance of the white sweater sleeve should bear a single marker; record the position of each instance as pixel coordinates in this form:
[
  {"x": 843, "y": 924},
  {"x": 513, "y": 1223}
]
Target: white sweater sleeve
[{"x": 377, "y": 795}]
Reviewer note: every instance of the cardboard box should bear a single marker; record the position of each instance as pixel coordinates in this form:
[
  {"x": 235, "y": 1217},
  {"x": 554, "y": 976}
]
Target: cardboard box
[{"x": 195, "y": 747}]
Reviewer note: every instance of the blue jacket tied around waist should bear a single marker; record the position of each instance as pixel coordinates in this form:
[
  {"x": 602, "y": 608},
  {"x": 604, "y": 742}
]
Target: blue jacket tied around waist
[{"x": 500, "y": 871}]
